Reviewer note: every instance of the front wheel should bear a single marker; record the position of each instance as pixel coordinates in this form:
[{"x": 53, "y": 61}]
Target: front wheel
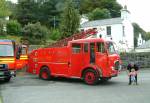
[
  {"x": 44, "y": 73},
  {"x": 90, "y": 77}
]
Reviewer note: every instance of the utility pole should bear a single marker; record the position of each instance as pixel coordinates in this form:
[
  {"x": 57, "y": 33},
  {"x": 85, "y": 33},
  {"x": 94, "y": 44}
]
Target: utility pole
[{"x": 54, "y": 22}]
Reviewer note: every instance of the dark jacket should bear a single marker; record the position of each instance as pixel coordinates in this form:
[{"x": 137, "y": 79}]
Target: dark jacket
[{"x": 129, "y": 67}]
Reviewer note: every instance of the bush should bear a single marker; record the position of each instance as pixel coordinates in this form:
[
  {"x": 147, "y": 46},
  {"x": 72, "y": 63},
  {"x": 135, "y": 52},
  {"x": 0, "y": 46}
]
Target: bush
[
  {"x": 35, "y": 34},
  {"x": 2, "y": 25},
  {"x": 13, "y": 27},
  {"x": 55, "y": 34}
]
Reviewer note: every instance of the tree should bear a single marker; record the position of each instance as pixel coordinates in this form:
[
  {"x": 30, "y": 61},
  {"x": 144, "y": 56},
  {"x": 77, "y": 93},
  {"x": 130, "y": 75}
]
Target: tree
[
  {"x": 138, "y": 30},
  {"x": 113, "y": 7},
  {"x": 13, "y": 9},
  {"x": 4, "y": 11},
  {"x": 47, "y": 12},
  {"x": 98, "y": 13},
  {"x": 27, "y": 11},
  {"x": 35, "y": 33},
  {"x": 86, "y": 6},
  {"x": 70, "y": 20},
  {"x": 13, "y": 27},
  {"x": 147, "y": 36}
]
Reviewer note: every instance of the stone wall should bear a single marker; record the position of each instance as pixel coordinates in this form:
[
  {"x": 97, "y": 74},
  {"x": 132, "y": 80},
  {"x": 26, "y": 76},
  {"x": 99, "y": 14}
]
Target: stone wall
[{"x": 142, "y": 59}]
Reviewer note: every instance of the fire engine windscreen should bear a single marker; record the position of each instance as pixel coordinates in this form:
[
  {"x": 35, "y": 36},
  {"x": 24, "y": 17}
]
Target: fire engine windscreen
[
  {"x": 111, "y": 48},
  {"x": 6, "y": 50}
]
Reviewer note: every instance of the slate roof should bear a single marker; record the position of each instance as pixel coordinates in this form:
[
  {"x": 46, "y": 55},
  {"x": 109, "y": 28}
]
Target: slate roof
[{"x": 102, "y": 22}]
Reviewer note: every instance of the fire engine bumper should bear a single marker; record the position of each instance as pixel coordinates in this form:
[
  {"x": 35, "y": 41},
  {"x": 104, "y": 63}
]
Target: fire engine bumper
[
  {"x": 5, "y": 72},
  {"x": 114, "y": 73}
]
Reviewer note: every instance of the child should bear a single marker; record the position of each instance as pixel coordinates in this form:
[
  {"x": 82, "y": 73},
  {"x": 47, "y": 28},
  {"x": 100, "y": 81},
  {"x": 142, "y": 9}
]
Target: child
[{"x": 132, "y": 75}]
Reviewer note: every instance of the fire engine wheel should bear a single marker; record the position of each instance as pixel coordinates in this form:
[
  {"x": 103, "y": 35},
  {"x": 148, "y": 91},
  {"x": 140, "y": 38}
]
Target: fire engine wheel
[
  {"x": 45, "y": 73},
  {"x": 90, "y": 77}
]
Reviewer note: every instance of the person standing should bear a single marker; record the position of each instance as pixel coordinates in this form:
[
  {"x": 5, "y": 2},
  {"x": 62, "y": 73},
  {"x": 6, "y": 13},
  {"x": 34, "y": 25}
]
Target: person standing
[{"x": 136, "y": 68}]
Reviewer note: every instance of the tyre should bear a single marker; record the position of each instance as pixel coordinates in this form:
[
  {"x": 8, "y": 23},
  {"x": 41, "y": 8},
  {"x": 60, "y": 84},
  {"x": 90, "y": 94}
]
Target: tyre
[
  {"x": 90, "y": 77},
  {"x": 7, "y": 79},
  {"x": 45, "y": 73}
]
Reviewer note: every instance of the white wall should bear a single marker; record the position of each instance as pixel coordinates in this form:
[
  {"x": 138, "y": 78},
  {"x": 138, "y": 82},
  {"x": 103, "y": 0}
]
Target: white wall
[{"x": 129, "y": 34}]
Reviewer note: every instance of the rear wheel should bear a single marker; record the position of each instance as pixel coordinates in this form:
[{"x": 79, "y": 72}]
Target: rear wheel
[
  {"x": 90, "y": 77},
  {"x": 45, "y": 73}
]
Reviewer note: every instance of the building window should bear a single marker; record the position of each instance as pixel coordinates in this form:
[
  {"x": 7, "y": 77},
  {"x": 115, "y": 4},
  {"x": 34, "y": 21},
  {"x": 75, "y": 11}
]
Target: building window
[
  {"x": 109, "y": 30},
  {"x": 123, "y": 30}
]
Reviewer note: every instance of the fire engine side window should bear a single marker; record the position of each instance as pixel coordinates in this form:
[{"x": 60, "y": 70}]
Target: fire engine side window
[
  {"x": 76, "y": 48},
  {"x": 100, "y": 47},
  {"x": 85, "y": 47},
  {"x": 23, "y": 51}
]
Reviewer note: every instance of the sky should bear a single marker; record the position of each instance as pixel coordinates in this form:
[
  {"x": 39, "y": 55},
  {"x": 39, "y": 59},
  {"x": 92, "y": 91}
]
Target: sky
[{"x": 139, "y": 10}]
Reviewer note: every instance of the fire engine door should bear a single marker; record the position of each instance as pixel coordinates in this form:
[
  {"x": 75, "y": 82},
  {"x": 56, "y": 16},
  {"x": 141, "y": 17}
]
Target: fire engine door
[
  {"x": 92, "y": 52},
  {"x": 101, "y": 56},
  {"x": 76, "y": 59}
]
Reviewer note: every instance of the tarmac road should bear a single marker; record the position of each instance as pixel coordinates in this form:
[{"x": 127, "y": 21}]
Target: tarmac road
[{"x": 29, "y": 89}]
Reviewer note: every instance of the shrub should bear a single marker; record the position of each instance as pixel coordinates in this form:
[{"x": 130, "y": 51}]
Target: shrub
[
  {"x": 35, "y": 33},
  {"x": 13, "y": 27},
  {"x": 55, "y": 34}
]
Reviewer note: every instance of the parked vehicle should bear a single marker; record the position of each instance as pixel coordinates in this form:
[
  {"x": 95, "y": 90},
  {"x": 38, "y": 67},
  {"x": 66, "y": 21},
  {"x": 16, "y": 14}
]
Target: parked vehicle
[
  {"x": 12, "y": 58},
  {"x": 88, "y": 59}
]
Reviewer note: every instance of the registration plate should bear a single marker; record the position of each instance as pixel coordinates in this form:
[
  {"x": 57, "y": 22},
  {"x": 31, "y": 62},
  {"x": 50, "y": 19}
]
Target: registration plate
[{"x": 1, "y": 73}]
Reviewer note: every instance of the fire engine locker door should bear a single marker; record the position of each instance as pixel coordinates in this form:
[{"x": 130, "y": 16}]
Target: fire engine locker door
[{"x": 76, "y": 60}]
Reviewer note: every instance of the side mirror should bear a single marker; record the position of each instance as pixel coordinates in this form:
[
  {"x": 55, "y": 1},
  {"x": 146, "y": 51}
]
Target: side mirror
[{"x": 18, "y": 53}]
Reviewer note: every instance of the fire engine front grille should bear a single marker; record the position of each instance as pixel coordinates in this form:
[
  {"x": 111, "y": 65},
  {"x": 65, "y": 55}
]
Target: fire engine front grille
[
  {"x": 3, "y": 67},
  {"x": 117, "y": 65}
]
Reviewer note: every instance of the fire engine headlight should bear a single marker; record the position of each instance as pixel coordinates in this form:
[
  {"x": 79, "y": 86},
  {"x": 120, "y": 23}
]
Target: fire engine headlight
[{"x": 113, "y": 68}]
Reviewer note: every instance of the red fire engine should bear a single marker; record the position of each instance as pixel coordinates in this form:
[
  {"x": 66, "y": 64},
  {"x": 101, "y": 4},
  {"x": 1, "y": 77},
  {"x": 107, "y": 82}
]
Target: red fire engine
[
  {"x": 12, "y": 58},
  {"x": 89, "y": 59}
]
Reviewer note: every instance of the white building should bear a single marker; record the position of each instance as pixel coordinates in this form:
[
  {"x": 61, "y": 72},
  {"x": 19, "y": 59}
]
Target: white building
[
  {"x": 140, "y": 40},
  {"x": 145, "y": 47},
  {"x": 119, "y": 29}
]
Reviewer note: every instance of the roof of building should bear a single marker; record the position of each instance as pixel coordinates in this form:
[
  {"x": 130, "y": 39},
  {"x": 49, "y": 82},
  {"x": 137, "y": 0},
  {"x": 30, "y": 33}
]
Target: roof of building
[
  {"x": 102, "y": 22},
  {"x": 145, "y": 45}
]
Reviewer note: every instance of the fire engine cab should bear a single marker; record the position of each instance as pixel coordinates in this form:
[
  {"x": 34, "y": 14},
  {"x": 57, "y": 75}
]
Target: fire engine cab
[
  {"x": 89, "y": 59},
  {"x": 12, "y": 58}
]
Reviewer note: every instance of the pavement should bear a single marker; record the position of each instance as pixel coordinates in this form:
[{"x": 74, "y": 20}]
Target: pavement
[{"x": 30, "y": 89}]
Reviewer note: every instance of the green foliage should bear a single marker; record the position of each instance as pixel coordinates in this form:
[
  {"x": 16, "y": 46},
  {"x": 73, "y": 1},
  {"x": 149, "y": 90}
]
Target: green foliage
[
  {"x": 86, "y": 6},
  {"x": 29, "y": 11},
  {"x": 138, "y": 30},
  {"x": 13, "y": 27},
  {"x": 13, "y": 9},
  {"x": 98, "y": 13},
  {"x": 4, "y": 11},
  {"x": 11, "y": 37},
  {"x": 70, "y": 20},
  {"x": 147, "y": 36},
  {"x": 35, "y": 34},
  {"x": 26, "y": 11},
  {"x": 55, "y": 34},
  {"x": 2, "y": 25}
]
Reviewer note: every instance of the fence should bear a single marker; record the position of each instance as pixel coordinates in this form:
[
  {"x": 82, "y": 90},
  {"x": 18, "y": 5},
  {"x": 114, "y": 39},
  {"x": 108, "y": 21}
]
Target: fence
[{"x": 141, "y": 59}]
